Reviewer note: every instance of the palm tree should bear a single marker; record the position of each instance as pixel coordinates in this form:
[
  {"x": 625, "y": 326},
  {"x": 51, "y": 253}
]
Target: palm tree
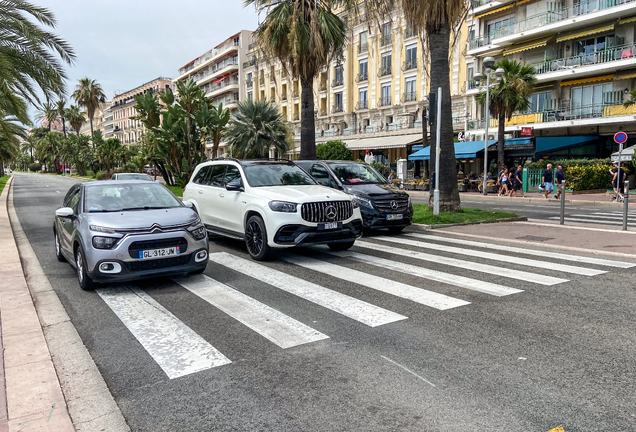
[
  {"x": 10, "y": 132},
  {"x": 511, "y": 94},
  {"x": 60, "y": 106},
  {"x": 29, "y": 144},
  {"x": 109, "y": 154},
  {"x": 47, "y": 113},
  {"x": 304, "y": 35},
  {"x": 256, "y": 127},
  {"x": 31, "y": 58},
  {"x": 88, "y": 93},
  {"x": 75, "y": 118},
  {"x": 213, "y": 124},
  {"x": 632, "y": 99}
]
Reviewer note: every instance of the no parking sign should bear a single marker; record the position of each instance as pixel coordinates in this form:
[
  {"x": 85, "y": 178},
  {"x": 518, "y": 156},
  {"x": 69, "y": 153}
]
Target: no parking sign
[{"x": 620, "y": 138}]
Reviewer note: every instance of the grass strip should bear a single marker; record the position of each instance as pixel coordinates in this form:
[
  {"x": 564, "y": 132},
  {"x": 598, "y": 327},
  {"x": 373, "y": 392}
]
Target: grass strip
[
  {"x": 422, "y": 215},
  {"x": 178, "y": 191},
  {"x": 3, "y": 181}
]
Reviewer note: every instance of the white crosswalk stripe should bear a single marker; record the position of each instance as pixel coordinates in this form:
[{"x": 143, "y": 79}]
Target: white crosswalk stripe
[
  {"x": 590, "y": 220},
  {"x": 175, "y": 347},
  {"x": 616, "y": 217},
  {"x": 277, "y": 327},
  {"x": 358, "y": 310},
  {"x": 545, "y": 254},
  {"x": 465, "y": 265},
  {"x": 447, "y": 278},
  {"x": 495, "y": 257},
  {"x": 409, "y": 292}
]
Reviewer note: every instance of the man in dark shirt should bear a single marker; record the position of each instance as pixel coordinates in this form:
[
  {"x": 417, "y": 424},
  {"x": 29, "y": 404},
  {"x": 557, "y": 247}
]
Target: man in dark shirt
[
  {"x": 618, "y": 182},
  {"x": 547, "y": 180},
  {"x": 560, "y": 178},
  {"x": 517, "y": 183}
]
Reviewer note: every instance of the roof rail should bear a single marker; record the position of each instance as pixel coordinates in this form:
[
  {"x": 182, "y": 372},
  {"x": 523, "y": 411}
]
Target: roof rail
[
  {"x": 224, "y": 158},
  {"x": 276, "y": 159}
]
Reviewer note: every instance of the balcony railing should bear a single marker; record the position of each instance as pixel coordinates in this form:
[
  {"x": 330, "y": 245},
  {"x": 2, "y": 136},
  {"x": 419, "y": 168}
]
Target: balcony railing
[
  {"x": 249, "y": 83},
  {"x": 261, "y": 80},
  {"x": 363, "y": 47},
  {"x": 283, "y": 97},
  {"x": 386, "y": 40},
  {"x": 249, "y": 63},
  {"x": 323, "y": 86},
  {"x": 322, "y": 112},
  {"x": 337, "y": 82},
  {"x": 409, "y": 65},
  {"x": 362, "y": 105},
  {"x": 384, "y": 71},
  {"x": 296, "y": 117},
  {"x": 409, "y": 97},
  {"x": 251, "y": 46},
  {"x": 336, "y": 109},
  {"x": 362, "y": 77},
  {"x": 295, "y": 93},
  {"x": 620, "y": 52},
  {"x": 409, "y": 32},
  {"x": 384, "y": 101},
  {"x": 472, "y": 84}
]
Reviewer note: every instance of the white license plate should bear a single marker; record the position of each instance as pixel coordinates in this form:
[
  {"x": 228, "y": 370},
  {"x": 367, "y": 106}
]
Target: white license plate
[
  {"x": 394, "y": 216},
  {"x": 330, "y": 225},
  {"x": 159, "y": 253}
]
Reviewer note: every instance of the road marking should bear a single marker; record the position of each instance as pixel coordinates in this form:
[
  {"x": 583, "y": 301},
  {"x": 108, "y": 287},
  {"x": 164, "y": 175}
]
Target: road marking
[
  {"x": 465, "y": 265},
  {"x": 176, "y": 348},
  {"x": 596, "y": 221},
  {"x": 617, "y": 217},
  {"x": 275, "y": 326},
  {"x": 409, "y": 292},
  {"x": 48, "y": 186},
  {"x": 58, "y": 191},
  {"x": 447, "y": 278},
  {"x": 408, "y": 370},
  {"x": 557, "y": 429},
  {"x": 496, "y": 257},
  {"x": 358, "y": 310},
  {"x": 540, "y": 253}
]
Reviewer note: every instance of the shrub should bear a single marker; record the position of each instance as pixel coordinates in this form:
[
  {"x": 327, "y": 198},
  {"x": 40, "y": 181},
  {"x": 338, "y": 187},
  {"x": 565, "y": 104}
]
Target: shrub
[
  {"x": 90, "y": 173},
  {"x": 100, "y": 175},
  {"x": 35, "y": 167},
  {"x": 543, "y": 163},
  {"x": 333, "y": 150},
  {"x": 588, "y": 177}
]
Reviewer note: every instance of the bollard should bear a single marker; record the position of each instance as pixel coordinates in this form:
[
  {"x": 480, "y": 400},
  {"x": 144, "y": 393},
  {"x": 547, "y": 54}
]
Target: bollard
[
  {"x": 625, "y": 201},
  {"x": 562, "y": 202}
]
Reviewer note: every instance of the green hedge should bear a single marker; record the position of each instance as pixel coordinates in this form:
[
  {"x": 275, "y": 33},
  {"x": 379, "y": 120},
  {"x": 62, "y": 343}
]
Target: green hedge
[
  {"x": 583, "y": 174},
  {"x": 565, "y": 163}
]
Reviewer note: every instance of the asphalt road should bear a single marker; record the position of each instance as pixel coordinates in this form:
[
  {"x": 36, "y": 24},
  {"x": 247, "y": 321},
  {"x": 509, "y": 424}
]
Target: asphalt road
[{"x": 562, "y": 352}]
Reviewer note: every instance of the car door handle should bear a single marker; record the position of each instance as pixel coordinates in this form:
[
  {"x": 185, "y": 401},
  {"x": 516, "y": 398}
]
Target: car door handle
[
  {"x": 63, "y": 222},
  {"x": 200, "y": 191},
  {"x": 221, "y": 195}
]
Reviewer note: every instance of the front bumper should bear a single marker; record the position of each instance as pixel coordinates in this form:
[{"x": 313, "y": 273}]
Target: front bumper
[
  {"x": 302, "y": 235},
  {"x": 373, "y": 218}
]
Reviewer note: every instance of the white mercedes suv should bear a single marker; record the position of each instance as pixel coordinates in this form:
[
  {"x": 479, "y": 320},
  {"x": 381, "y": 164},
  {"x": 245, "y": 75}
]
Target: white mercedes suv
[{"x": 271, "y": 204}]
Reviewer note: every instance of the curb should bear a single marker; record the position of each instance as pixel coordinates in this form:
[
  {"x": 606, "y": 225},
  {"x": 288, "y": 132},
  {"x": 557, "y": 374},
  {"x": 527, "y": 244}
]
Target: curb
[{"x": 424, "y": 227}]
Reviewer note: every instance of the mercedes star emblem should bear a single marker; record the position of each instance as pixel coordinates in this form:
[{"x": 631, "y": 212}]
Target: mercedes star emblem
[
  {"x": 394, "y": 205},
  {"x": 330, "y": 212}
]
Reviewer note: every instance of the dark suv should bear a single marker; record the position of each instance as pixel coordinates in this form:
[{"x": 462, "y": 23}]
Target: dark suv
[{"x": 382, "y": 204}]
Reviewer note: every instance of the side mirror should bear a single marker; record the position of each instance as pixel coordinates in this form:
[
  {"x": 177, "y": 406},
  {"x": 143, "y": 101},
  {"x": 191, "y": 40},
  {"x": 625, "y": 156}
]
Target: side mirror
[
  {"x": 64, "y": 212},
  {"x": 234, "y": 186},
  {"x": 188, "y": 204}
]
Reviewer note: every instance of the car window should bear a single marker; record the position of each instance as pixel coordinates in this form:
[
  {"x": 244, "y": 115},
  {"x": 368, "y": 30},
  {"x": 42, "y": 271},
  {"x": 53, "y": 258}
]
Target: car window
[
  {"x": 74, "y": 203},
  {"x": 201, "y": 175},
  {"x": 69, "y": 195},
  {"x": 276, "y": 174},
  {"x": 131, "y": 196},
  {"x": 216, "y": 177},
  {"x": 134, "y": 177},
  {"x": 321, "y": 174},
  {"x": 351, "y": 173},
  {"x": 231, "y": 174}
]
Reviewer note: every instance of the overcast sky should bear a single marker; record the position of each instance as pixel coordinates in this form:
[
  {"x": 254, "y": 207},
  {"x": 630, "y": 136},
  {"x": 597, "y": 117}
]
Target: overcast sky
[{"x": 125, "y": 43}]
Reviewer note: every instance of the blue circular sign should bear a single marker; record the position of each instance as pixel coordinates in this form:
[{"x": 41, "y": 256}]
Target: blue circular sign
[{"x": 620, "y": 137}]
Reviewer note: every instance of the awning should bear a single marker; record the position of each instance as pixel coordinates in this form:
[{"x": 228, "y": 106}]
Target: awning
[
  {"x": 527, "y": 46},
  {"x": 585, "y": 33},
  {"x": 552, "y": 143},
  {"x": 627, "y": 20},
  {"x": 395, "y": 141},
  {"x": 626, "y": 74},
  {"x": 463, "y": 150},
  {"x": 494, "y": 11},
  {"x": 587, "y": 80},
  {"x": 626, "y": 155}
]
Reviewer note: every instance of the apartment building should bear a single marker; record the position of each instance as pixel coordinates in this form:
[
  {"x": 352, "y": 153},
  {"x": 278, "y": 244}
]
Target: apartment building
[
  {"x": 219, "y": 71},
  {"x": 127, "y": 129},
  {"x": 584, "y": 53},
  {"x": 99, "y": 119},
  {"x": 373, "y": 98}
]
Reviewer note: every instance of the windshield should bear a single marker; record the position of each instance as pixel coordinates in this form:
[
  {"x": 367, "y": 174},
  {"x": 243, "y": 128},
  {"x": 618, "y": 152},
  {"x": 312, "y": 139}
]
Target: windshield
[
  {"x": 134, "y": 177},
  {"x": 132, "y": 196},
  {"x": 276, "y": 175},
  {"x": 351, "y": 173}
]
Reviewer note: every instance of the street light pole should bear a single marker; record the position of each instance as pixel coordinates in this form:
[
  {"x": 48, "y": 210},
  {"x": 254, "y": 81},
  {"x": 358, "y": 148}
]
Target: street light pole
[{"x": 488, "y": 64}]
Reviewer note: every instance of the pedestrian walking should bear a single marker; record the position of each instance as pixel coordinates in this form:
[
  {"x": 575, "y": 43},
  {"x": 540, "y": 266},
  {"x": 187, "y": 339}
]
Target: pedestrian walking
[
  {"x": 560, "y": 178},
  {"x": 617, "y": 183},
  {"x": 504, "y": 182},
  {"x": 499, "y": 174},
  {"x": 517, "y": 184},
  {"x": 547, "y": 181},
  {"x": 391, "y": 177}
]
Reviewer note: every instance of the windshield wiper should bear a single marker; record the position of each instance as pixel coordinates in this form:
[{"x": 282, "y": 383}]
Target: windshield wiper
[
  {"x": 103, "y": 211},
  {"x": 142, "y": 208}
]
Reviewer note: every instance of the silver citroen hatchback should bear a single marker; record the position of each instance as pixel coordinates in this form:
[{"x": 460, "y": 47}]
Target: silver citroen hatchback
[{"x": 112, "y": 231}]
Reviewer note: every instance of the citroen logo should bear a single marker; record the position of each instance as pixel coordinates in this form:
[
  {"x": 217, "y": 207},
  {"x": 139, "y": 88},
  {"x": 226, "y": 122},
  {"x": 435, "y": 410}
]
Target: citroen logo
[
  {"x": 394, "y": 205},
  {"x": 330, "y": 212}
]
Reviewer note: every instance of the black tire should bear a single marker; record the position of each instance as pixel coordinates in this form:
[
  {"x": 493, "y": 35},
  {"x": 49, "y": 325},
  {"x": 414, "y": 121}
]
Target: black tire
[
  {"x": 256, "y": 239},
  {"x": 58, "y": 248},
  {"x": 85, "y": 282},
  {"x": 396, "y": 230},
  {"x": 341, "y": 246}
]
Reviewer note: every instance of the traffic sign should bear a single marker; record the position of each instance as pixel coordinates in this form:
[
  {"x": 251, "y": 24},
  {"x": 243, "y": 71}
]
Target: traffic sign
[{"x": 620, "y": 137}]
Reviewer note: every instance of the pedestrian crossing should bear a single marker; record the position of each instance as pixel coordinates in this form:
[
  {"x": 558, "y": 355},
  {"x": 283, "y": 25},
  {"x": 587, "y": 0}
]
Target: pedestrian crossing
[
  {"x": 601, "y": 218},
  {"x": 383, "y": 267}
]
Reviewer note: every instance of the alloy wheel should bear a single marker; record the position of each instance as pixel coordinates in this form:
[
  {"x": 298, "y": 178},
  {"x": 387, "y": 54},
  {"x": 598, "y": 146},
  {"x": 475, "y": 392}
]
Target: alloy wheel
[
  {"x": 254, "y": 236},
  {"x": 80, "y": 267}
]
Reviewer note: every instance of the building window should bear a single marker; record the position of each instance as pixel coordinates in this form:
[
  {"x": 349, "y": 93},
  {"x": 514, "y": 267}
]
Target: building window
[
  {"x": 237, "y": 41},
  {"x": 364, "y": 43},
  {"x": 385, "y": 68},
  {"x": 363, "y": 70},
  {"x": 338, "y": 102},
  {"x": 338, "y": 76},
  {"x": 587, "y": 101},
  {"x": 411, "y": 57},
  {"x": 386, "y": 95},
  {"x": 362, "y": 99},
  {"x": 501, "y": 28},
  {"x": 410, "y": 94},
  {"x": 385, "y": 37},
  {"x": 250, "y": 96}
]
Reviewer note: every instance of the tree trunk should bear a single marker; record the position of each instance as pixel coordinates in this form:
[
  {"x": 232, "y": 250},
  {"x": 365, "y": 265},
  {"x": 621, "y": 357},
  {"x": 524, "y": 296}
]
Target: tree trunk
[
  {"x": 501, "y": 137},
  {"x": 91, "y": 120},
  {"x": 307, "y": 122},
  {"x": 63, "y": 126},
  {"x": 448, "y": 193},
  {"x": 424, "y": 141}
]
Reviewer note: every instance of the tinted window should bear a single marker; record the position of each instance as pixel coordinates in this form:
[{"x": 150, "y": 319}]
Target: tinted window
[
  {"x": 134, "y": 177},
  {"x": 231, "y": 174},
  {"x": 351, "y": 173},
  {"x": 321, "y": 174},
  {"x": 216, "y": 178},
  {"x": 69, "y": 195},
  {"x": 276, "y": 174},
  {"x": 131, "y": 196},
  {"x": 199, "y": 178},
  {"x": 74, "y": 203}
]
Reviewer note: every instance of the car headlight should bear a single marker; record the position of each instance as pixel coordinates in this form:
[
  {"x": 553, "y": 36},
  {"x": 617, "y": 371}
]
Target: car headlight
[
  {"x": 282, "y": 206},
  {"x": 363, "y": 201},
  {"x": 102, "y": 229},
  {"x": 104, "y": 242},
  {"x": 198, "y": 232}
]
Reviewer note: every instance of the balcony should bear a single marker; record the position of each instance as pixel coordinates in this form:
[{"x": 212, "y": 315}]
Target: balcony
[
  {"x": 207, "y": 58},
  {"x": 249, "y": 63},
  {"x": 214, "y": 72},
  {"x": 409, "y": 33},
  {"x": 384, "y": 71},
  {"x": 295, "y": 93},
  {"x": 249, "y": 83},
  {"x": 363, "y": 47},
  {"x": 322, "y": 86},
  {"x": 261, "y": 80},
  {"x": 409, "y": 65},
  {"x": 296, "y": 117},
  {"x": 336, "y": 109},
  {"x": 362, "y": 105},
  {"x": 337, "y": 82},
  {"x": 222, "y": 85},
  {"x": 283, "y": 97},
  {"x": 251, "y": 47},
  {"x": 625, "y": 52},
  {"x": 409, "y": 97},
  {"x": 362, "y": 77},
  {"x": 385, "y": 40},
  {"x": 322, "y": 112},
  {"x": 384, "y": 101}
]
